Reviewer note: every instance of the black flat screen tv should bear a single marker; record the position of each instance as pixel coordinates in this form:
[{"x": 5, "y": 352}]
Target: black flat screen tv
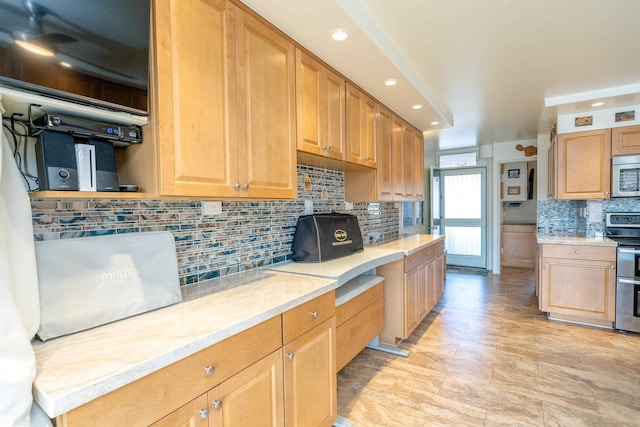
[{"x": 96, "y": 52}]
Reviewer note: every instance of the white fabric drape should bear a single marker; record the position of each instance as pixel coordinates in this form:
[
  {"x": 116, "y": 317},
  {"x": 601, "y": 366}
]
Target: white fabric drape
[{"x": 19, "y": 301}]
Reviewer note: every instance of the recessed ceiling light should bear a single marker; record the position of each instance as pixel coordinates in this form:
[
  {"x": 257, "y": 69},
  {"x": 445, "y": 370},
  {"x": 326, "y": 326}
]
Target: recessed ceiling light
[
  {"x": 435, "y": 123},
  {"x": 65, "y": 64},
  {"x": 390, "y": 82},
  {"x": 339, "y": 34},
  {"x": 416, "y": 106},
  {"x": 38, "y": 49},
  {"x": 597, "y": 104}
]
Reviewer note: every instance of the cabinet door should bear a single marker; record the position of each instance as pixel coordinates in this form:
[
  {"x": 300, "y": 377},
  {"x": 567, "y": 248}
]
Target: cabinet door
[
  {"x": 418, "y": 165},
  {"x": 407, "y": 163},
  {"x": 584, "y": 289},
  {"x": 518, "y": 246},
  {"x": 266, "y": 110},
  {"x": 422, "y": 285},
  {"x": 431, "y": 284},
  {"x": 361, "y": 128},
  {"x": 196, "y": 98},
  {"x": 584, "y": 165},
  {"x": 397, "y": 148},
  {"x": 625, "y": 140},
  {"x": 552, "y": 168},
  {"x": 252, "y": 397},
  {"x": 438, "y": 277},
  {"x": 310, "y": 377},
  {"x": 384, "y": 173},
  {"x": 411, "y": 314},
  {"x": 193, "y": 414},
  {"x": 320, "y": 108}
]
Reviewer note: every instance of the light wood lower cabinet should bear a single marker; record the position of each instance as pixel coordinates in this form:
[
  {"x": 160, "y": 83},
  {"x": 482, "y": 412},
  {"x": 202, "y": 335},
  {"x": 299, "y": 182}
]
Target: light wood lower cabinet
[
  {"x": 577, "y": 282},
  {"x": 252, "y": 397},
  {"x": 518, "y": 245},
  {"x": 244, "y": 380},
  {"x": 309, "y": 338},
  {"x": 413, "y": 287}
]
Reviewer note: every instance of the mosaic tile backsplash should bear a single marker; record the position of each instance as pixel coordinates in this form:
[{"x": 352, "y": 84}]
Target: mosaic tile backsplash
[
  {"x": 246, "y": 235},
  {"x": 573, "y": 217}
]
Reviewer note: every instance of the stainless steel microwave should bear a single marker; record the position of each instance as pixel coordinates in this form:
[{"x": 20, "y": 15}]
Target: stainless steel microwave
[{"x": 625, "y": 176}]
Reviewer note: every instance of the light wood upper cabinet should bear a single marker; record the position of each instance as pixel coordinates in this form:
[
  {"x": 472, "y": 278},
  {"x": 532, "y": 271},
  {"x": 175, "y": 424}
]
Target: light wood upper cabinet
[
  {"x": 384, "y": 173},
  {"x": 320, "y": 104},
  {"x": 397, "y": 150},
  {"x": 266, "y": 98},
  {"x": 418, "y": 165},
  {"x": 583, "y": 165},
  {"x": 625, "y": 141},
  {"x": 224, "y": 104},
  {"x": 196, "y": 116},
  {"x": 361, "y": 127}
]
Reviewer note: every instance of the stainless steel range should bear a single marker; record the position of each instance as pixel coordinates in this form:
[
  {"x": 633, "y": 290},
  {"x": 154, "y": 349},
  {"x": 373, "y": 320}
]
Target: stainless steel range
[{"x": 624, "y": 227}]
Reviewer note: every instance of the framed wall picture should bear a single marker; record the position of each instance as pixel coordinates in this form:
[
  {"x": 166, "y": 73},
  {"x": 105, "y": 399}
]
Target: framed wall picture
[
  {"x": 513, "y": 173},
  {"x": 625, "y": 116},
  {"x": 513, "y": 190},
  {"x": 584, "y": 121}
]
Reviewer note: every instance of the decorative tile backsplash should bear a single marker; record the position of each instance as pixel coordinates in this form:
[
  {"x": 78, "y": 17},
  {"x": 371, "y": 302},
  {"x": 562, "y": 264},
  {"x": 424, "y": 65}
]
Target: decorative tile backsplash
[
  {"x": 580, "y": 217},
  {"x": 248, "y": 234}
]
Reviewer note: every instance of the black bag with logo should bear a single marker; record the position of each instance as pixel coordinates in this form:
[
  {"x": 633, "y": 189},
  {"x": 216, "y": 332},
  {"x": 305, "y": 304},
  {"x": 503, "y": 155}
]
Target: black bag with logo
[{"x": 322, "y": 237}]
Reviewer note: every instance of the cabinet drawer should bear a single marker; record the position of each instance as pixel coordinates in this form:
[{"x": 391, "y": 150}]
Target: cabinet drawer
[
  {"x": 299, "y": 320},
  {"x": 352, "y": 307},
  {"x": 417, "y": 258},
  {"x": 584, "y": 252},
  {"x": 152, "y": 397}
]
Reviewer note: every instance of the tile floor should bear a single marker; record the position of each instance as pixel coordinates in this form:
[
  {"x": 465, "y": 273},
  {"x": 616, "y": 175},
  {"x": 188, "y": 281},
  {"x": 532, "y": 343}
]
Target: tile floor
[{"x": 485, "y": 356}]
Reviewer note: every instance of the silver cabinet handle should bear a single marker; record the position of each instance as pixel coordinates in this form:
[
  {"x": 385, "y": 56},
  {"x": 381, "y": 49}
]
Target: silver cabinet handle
[
  {"x": 245, "y": 186},
  {"x": 204, "y": 414},
  {"x": 606, "y": 193},
  {"x": 217, "y": 404},
  {"x": 577, "y": 252},
  {"x": 236, "y": 185},
  {"x": 290, "y": 356},
  {"x": 314, "y": 314},
  {"x": 209, "y": 369}
]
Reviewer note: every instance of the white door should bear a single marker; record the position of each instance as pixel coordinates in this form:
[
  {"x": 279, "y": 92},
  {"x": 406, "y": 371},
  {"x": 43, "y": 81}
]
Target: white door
[{"x": 463, "y": 216}]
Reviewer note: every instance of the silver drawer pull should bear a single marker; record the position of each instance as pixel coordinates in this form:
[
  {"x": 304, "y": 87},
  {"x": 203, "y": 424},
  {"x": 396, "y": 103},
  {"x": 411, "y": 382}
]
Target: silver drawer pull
[
  {"x": 204, "y": 414},
  {"x": 577, "y": 251},
  {"x": 209, "y": 369},
  {"x": 290, "y": 356},
  {"x": 217, "y": 404},
  {"x": 314, "y": 314}
]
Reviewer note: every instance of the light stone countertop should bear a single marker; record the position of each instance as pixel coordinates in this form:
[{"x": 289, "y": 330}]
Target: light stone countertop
[
  {"x": 75, "y": 369},
  {"x": 342, "y": 269},
  {"x": 411, "y": 244},
  {"x": 78, "y": 368},
  {"x": 565, "y": 240}
]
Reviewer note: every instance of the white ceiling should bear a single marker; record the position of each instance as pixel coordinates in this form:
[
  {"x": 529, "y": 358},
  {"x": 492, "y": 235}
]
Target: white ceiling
[{"x": 481, "y": 68}]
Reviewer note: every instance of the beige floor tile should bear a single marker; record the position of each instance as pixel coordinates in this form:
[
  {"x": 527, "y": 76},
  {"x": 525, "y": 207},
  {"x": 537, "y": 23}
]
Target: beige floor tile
[{"x": 486, "y": 356}]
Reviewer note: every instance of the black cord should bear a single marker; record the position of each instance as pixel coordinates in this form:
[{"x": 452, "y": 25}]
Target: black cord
[{"x": 16, "y": 155}]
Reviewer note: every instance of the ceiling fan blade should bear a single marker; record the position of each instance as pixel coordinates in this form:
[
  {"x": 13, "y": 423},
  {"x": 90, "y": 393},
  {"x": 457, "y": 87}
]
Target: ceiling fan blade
[{"x": 56, "y": 38}]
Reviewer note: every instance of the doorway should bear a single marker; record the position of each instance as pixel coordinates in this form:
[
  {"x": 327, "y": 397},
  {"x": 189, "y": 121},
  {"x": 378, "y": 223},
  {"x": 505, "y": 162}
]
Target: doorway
[{"x": 463, "y": 216}]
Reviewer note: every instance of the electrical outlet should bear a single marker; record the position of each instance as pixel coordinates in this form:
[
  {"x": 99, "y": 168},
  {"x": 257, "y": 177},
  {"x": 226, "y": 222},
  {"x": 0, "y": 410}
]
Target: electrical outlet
[
  {"x": 348, "y": 206},
  {"x": 308, "y": 207},
  {"x": 211, "y": 208}
]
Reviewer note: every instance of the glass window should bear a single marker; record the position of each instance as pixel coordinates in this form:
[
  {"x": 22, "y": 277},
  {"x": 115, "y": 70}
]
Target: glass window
[{"x": 412, "y": 218}]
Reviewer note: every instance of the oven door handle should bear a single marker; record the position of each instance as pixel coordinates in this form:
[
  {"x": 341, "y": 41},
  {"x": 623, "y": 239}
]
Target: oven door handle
[
  {"x": 629, "y": 251},
  {"x": 629, "y": 281}
]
